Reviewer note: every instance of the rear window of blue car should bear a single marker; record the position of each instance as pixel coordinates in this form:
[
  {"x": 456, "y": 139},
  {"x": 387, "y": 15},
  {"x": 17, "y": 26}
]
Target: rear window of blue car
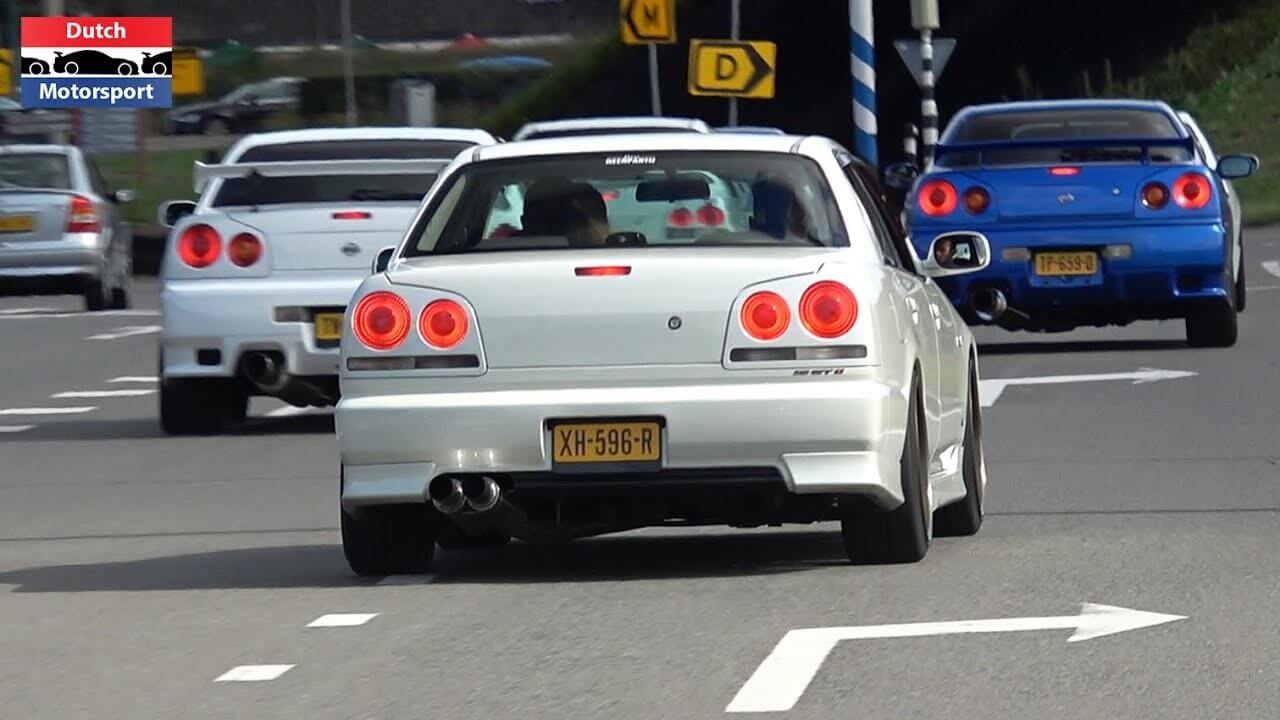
[{"x": 1045, "y": 126}]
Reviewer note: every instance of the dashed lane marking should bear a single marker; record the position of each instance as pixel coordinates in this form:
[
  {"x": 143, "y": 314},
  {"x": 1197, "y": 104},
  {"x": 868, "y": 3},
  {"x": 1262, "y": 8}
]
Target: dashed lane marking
[
  {"x": 48, "y": 410},
  {"x": 253, "y": 673},
  {"x": 134, "y": 379},
  {"x": 342, "y": 620},
  {"x": 127, "y": 331},
  {"x": 15, "y": 428},
  {"x": 103, "y": 393},
  {"x": 1272, "y": 266}
]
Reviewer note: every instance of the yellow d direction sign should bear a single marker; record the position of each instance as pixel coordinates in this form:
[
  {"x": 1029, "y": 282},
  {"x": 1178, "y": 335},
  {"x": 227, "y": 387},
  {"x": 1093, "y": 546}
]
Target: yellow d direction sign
[
  {"x": 188, "y": 72},
  {"x": 6, "y": 71},
  {"x": 733, "y": 68},
  {"x": 645, "y": 22}
]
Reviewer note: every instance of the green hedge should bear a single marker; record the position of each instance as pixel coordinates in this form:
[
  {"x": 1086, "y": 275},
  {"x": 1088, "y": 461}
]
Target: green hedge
[{"x": 326, "y": 95}]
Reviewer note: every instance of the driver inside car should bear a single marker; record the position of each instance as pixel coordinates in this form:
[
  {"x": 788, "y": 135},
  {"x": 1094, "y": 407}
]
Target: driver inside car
[
  {"x": 775, "y": 210},
  {"x": 573, "y": 210}
]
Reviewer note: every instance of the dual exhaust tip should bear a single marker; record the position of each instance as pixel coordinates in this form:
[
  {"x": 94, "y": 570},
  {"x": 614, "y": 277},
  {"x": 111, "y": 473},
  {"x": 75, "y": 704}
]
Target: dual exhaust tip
[{"x": 451, "y": 495}]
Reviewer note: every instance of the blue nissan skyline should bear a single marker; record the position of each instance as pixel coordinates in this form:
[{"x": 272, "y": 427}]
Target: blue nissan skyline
[{"x": 1098, "y": 212}]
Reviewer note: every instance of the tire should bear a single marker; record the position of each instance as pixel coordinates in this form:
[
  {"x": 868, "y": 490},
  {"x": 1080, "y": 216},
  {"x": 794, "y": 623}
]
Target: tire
[
  {"x": 390, "y": 539},
  {"x": 71, "y": 68},
  {"x": 1212, "y": 325},
  {"x": 901, "y": 535},
  {"x": 124, "y": 69},
  {"x": 96, "y": 295},
  {"x": 160, "y": 69},
  {"x": 449, "y": 537},
  {"x": 964, "y": 518},
  {"x": 201, "y": 406}
]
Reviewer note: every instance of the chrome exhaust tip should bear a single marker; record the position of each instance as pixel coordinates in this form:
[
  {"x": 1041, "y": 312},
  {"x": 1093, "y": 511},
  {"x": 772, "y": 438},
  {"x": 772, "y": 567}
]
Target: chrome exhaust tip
[
  {"x": 988, "y": 304},
  {"x": 482, "y": 492},
  {"x": 446, "y": 495},
  {"x": 263, "y": 370}
]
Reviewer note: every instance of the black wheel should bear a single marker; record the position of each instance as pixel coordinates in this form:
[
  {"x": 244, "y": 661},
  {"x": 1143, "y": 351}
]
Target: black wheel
[
  {"x": 449, "y": 537},
  {"x": 1240, "y": 286},
  {"x": 96, "y": 295},
  {"x": 71, "y": 68},
  {"x": 124, "y": 69},
  {"x": 160, "y": 68},
  {"x": 965, "y": 517},
  {"x": 1212, "y": 325},
  {"x": 389, "y": 539},
  {"x": 201, "y": 406},
  {"x": 901, "y": 535}
]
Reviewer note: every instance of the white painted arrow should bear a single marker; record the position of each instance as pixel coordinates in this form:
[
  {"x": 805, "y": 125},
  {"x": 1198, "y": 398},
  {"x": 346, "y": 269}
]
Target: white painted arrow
[
  {"x": 989, "y": 390},
  {"x": 782, "y": 678}
]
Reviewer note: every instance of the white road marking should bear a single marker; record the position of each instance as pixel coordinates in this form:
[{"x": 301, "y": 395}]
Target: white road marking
[
  {"x": 102, "y": 393},
  {"x": 253, "y": 673},
  {"x": 47, "y": 410},
  {"x": 134, "y": 379},
  {"x": 990, "y": 390},
  {"x": 782, "y": 678},
  {"x": 127, "y": 331},
  {"x": 15, "y": 428},
  {"x": 406, "y": 580},
  {"x": 38, "y": 313},
  {"x": 342, "y": 620},
  {"x": 1271, "y": 266},
  {"x": 1263, "y": 287},
  {"x": 287, "y": 411}
]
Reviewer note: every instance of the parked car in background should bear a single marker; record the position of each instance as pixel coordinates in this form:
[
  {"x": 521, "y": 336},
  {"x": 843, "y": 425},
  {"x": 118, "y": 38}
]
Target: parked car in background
[
  {"x": 608, "y": 126},
  {"x": 1099, "y": 212},
  {"x": 61, "y": 229},
  {"x": 242, "y": 110}
]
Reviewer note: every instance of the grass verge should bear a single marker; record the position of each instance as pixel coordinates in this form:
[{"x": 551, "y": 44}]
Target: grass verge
[{"x": 166, "y": 176}]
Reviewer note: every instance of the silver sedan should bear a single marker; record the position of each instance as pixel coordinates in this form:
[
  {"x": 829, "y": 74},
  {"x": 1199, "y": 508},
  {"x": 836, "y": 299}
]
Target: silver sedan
[
  {"x": 61, "y": 229},
  {"x": 578, "y": 376}
]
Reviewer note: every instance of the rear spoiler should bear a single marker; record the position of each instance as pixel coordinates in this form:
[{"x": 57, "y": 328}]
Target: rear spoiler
[
  {"x": 1144, "y": 143},
  {"x": 302, "y": 168}
]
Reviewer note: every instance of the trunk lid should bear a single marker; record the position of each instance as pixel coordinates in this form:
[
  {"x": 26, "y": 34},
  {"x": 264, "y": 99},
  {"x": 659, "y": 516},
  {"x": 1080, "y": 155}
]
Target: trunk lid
[
  {"x": 1095, "y": 193},
  {"x": 533, "y": 310},
  {"x": 312, "y": 238},
  {"x": 33, "y": 215}
]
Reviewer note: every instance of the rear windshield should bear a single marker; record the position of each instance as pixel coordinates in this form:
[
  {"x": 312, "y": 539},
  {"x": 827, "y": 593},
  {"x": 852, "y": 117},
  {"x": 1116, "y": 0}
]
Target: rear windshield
[
  {"x": 610, "y": 200},
  {"x": 584, "y": 132},
  {"x": 337, "y": 188},
  {"x": 35, "y": 170},
  {"x": 1049, "y": 125}
]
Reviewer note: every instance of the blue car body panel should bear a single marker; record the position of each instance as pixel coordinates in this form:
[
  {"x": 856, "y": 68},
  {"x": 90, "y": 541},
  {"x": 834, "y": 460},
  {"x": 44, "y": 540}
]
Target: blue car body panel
[{"x": 1151, "y": 263}]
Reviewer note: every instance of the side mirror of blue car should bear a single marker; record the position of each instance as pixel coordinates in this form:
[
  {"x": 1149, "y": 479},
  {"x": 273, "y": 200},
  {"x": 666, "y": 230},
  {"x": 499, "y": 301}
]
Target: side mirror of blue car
[
  {"x": 1237, "y": 166},
  {"x": 957, "y": 253},
  {"x": 900, "y": 175}
]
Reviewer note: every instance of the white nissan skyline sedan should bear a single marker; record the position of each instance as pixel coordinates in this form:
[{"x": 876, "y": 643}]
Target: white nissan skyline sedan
[{"x": 577, "y": 377}]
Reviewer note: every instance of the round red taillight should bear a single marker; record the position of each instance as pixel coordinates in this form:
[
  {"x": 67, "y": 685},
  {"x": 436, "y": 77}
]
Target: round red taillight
[
  {"x": 711, "y": 216},
  {"x": 443, "y": 324},
  {"x": 976, "y": 200},
  {"x": 765, "y": 316},
  {"x": 828, "y": 309},
  {"x": 198, "y": 246},
  {"x": 1155, "y": 195},
  {"x": 381, "y": 320},
  {"x": 244, "y": 249},
  {"x": 1192, "y": 191},
  {"x": 680, "y": 217},
  {"x": 937, "y": 198}
]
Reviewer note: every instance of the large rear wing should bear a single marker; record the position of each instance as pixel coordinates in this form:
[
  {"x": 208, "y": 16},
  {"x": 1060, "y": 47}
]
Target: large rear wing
[
  {"x": 307, "y": 168},
  {"x": 1144, "y": 143}
]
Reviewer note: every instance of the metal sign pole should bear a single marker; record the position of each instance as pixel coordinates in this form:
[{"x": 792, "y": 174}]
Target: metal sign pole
[
  {"x": 862, "y": 59},
  {"x": 735, "y": 31},
  {"x": 348, "y": 70},
  {"x": 653, "y": 80},
  {"x": 924, "y": 17}
]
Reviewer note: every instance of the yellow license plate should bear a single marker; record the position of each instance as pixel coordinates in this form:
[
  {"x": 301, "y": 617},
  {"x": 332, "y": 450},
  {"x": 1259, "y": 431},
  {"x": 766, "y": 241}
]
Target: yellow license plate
[
  {"x": 607, "y": 442},
  {"x": 1067, "y": 263},
  {"x": 328, "y": 326},
  {"x": 17, "y": 223}
]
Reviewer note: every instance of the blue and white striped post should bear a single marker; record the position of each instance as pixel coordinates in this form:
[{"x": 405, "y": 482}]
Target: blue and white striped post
[{"x": 862, "y": 58}]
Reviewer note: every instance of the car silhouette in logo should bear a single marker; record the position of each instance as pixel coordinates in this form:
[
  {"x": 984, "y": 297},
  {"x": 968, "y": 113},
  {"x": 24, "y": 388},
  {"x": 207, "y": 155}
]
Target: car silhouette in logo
[
  {"x": 34, "y": 66},
  {"x": 92, "y": 62},
  {"x": 161, "y": 64}
]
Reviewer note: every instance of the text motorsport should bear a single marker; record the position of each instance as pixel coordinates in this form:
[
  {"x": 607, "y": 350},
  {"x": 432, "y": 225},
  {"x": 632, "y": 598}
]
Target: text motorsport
[{"x": 93, "y": 62}]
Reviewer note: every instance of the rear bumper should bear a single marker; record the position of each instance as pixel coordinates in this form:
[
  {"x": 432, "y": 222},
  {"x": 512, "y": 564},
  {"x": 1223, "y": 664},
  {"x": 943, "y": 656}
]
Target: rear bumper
[
  {"x": 819, "y": 436},
  {"x": 78, "y": 254},
  {"x": 233, "y": 317}
]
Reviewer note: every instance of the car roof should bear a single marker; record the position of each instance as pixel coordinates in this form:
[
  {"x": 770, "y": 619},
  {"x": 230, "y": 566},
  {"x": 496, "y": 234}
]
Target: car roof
[
  {"x": 281, "y": 137},
  {"x": 611, "y": 123},
  {"x": 641, "y": 142},
  {"x": 972, "y": 111}
]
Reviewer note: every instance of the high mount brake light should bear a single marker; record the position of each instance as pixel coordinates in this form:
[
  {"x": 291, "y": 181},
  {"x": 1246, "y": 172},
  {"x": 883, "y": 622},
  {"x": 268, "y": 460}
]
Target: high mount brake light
[
  {"x": 1065, "y": 171},
  {"x": 598, "y": 270},
  {"x": 381, "y": 320},
  {"x": 443, "y": 324},
  {"x": 765, "y": 316},
  {"x": 244, "y": 249},
  {"x": 199, "y": 245},
  {"x": 1155, "y": 195},
  {"x": 82, "y": 216},
  {"x": 976, "y": 200},
  {"x": 937, "y": 198},
  {"x": 828, "y": 309},
  {"x": 1192, "y": 191},
  {"x": 352, "y": 215}
]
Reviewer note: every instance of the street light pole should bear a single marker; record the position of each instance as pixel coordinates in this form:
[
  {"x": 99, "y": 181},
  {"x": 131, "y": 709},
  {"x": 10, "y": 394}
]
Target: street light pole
[
  {"x": 735, "y": 30},
  {"x": 348, "y": 69}
]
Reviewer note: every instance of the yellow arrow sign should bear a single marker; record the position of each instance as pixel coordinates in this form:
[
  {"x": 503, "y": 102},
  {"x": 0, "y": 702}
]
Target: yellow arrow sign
[
  {"x": 6, "y": 71},
  {"x": 645, "y": 22},
  {"x": 732, "y": 68}
]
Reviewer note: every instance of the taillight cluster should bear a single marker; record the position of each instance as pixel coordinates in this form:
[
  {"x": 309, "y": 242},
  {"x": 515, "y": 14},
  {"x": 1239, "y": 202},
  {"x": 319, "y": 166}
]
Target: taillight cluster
[
  {"x": 827, "y": 310},
  {"x": 382, "y": 320},
  {"x": 200, "y": 245},
  {"x": 1191, "y": 191},
  {"x": 938, "y": 198},
  {"x": 82, "y": 216},
  {"x": 708, "y": 215}
]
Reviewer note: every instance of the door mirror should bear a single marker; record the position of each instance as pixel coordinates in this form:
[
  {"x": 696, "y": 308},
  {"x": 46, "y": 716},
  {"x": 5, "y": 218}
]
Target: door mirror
[
  {"x": 900, "y": 175},
  {"x": 1237, "y": 166},
  {"x": 122, "y": 196},
  {"x": 957, "y": 253},
  {"x": 174, "y": 210},
  {"x": 383, "y": 259}
]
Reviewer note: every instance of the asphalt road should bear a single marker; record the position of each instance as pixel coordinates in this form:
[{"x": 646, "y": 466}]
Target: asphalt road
[{"x": 135, "y": 569}]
